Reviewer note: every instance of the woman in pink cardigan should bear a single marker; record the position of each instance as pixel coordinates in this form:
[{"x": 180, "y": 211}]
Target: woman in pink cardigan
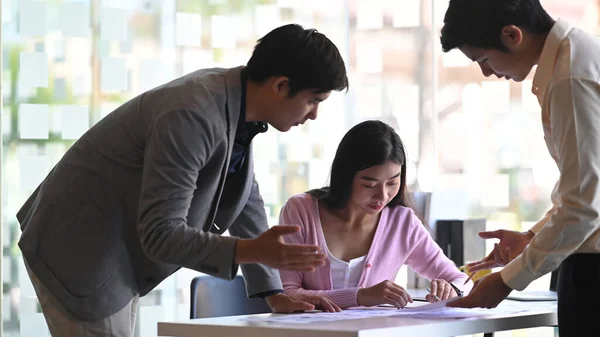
[{"x": 363, "y": 224}]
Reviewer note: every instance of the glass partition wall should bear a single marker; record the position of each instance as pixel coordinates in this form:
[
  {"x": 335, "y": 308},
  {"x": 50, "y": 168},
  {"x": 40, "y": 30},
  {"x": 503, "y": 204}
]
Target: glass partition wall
[{"x": 66, "y": 64}]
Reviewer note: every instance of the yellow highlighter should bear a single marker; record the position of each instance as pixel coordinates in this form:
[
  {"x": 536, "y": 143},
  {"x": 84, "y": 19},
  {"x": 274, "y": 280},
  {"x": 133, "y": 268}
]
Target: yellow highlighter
[{"x": 476, "y": 275}]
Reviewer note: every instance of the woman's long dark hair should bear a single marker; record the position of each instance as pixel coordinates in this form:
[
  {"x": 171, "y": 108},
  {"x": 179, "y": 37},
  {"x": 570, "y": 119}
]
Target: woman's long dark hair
[{"x": 367, "y": 144}]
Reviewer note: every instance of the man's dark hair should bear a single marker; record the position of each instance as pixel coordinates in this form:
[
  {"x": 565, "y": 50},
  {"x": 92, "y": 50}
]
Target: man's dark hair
[
  {"x": 305, "y": 56},
  {"x": 479, "y": 23}
]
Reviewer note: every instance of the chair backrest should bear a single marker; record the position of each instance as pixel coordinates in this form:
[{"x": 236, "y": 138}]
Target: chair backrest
[
  {"x": 421, "y": 203},
  {"x": 214, "y": 297},
  {"x": 554, "y": 280}
]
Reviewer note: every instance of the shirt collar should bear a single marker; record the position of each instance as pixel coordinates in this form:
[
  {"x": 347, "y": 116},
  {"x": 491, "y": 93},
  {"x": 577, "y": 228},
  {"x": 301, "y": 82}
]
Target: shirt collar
[
  {"x": 242, "y": 120},
  {"x": 545, "y": 68},
  {"x": 247, "y": 130}
]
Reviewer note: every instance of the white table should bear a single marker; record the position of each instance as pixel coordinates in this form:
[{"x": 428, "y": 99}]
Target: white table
[{"x": 365, "y": 327}]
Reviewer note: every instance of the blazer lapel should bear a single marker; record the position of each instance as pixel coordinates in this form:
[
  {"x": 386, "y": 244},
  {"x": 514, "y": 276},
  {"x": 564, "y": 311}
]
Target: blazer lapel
[{"x": 233, "y": 86}]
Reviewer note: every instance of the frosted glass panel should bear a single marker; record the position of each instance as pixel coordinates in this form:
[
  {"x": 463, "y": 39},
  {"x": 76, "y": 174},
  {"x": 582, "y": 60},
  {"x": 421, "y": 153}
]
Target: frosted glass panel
[
  {"x": 33, "y": 171},
  {"x": 36, "y": 326},
  {"x": 32, "y": 18},
  {"x": 113, "y": 24},
  {"x": 114, "y": 74},
  {"x": 33, "y": 121},
  {"x": 222, "y": 36},
  {"x": 75, "y": 121},
  {"x": 33, "y": 70},
  {"x": 188, "y": 27},
  {"x": 74, "y": 20},
  {"x": 369, "y": 14}
]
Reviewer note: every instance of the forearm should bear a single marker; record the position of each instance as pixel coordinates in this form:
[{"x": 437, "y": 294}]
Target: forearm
[
  {"x": 179, "y": 244},
  {"x": 343, "y": 298},
  {"x": 560, "y": 238}
]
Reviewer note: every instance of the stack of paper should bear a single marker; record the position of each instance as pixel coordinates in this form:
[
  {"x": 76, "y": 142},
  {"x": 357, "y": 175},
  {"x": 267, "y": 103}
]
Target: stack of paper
[{"x": 433, "y": 310}]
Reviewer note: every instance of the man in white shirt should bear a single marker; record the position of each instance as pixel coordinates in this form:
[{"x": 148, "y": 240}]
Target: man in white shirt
[{"x": 507, "y": 38}]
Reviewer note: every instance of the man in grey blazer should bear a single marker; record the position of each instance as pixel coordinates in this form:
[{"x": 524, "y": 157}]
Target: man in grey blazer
[{"x": 151, "y": 187}]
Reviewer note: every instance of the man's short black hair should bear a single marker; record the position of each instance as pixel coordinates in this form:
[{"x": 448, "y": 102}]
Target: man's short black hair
[
  {"x": 308, "y": 58},
  {"x": 479, "y": 23}
]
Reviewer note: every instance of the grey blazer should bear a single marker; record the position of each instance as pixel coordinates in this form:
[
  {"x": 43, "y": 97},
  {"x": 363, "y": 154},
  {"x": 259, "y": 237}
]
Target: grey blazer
[{"x": 138, "y": 196}]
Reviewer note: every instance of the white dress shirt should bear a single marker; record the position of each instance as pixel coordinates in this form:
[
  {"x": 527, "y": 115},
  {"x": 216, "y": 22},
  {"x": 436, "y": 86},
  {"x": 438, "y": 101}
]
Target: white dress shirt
[{"x": 567, "y": 85}]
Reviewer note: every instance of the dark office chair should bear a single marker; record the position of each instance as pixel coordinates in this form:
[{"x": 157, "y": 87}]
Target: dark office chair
[{"x": 214, "y": 297}]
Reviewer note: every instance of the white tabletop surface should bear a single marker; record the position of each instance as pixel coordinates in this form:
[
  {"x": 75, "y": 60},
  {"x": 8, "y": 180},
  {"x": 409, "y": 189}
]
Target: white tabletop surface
[{"x": 363, "y": 327}]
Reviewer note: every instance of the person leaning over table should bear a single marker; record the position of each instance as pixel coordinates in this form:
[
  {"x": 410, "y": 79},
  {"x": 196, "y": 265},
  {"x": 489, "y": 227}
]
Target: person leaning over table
[
  {"x": 152, "y": 186},
  {"x": 507, "y": 38}
]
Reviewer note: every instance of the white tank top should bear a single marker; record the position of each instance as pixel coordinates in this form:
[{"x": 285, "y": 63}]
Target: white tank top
[{"x": 345, "y": 274}]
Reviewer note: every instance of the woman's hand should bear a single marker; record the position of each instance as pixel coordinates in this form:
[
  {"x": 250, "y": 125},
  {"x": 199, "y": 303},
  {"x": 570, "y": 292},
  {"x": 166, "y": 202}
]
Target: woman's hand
[
  {"x": 386, "y": 292},
  {"x": 442, "y": 289}
]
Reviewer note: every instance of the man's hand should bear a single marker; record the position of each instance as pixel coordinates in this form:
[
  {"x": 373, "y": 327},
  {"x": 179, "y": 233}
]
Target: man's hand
[
  {"x": 488, "y": 292},
  {"x": 282, "y": 303},
  {"x": 386, "y": 292},
  {"x": 511, "y": 245},
  {"x": 320, "y": 302},
  {"x": 270, "y": 249}
]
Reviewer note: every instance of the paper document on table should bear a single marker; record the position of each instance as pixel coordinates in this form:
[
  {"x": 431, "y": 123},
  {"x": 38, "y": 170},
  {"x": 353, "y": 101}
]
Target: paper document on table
[
  {"x": 312, "y": 317},
  {"x": 433, "y": 310},
  {"x": 429, "y": 306},
  {"x": 544, "y": 295}
]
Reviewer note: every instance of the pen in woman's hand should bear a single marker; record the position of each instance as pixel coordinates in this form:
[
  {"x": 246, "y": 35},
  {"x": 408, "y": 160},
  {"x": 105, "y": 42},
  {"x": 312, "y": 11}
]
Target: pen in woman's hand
[{"x": 434, "y": 295}]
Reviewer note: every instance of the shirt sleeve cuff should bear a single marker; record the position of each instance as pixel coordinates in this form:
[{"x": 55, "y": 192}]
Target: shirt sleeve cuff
[
  {"x": 516, "y": 275},
  {"x": 538, "y": 226},
  {"x": 234, "y": 266},
  {"x": 265, "y": 294}
]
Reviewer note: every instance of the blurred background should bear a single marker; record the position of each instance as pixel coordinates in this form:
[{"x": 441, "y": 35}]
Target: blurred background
[{"x": 475, "y": 143}]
